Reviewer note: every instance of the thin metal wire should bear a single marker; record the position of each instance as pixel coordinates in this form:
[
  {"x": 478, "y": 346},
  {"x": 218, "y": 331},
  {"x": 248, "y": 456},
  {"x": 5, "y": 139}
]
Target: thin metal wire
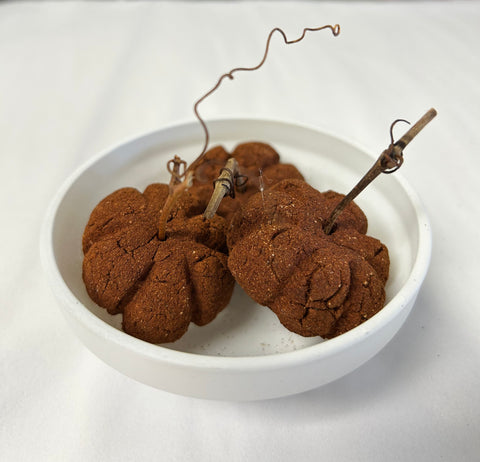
[
  {"x": 174, "y": 168},
  {"x": 393, "y": 158},
  {"x": 335, "y": 30},
  {"x": 229, "y": 180}
]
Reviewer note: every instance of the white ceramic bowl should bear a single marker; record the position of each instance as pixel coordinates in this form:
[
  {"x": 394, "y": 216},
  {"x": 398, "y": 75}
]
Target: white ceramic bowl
[{"x": 245, "y": 353}]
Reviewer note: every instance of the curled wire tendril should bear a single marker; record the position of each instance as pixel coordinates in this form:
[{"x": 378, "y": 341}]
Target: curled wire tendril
[
  {"x": 335, "y": 31},
  {"x": 177, "y": 169},
  {"x": 393, "y": 155}
]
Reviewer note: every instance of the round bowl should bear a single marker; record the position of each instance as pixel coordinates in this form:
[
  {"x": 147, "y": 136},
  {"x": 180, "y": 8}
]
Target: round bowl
[{"x": 245, "y": 353}]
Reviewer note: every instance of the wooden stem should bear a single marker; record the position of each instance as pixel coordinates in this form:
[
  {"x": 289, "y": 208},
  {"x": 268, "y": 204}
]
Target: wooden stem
[
  {"x": 224, "y": 185},
  {"x": 389, "y": 161}
]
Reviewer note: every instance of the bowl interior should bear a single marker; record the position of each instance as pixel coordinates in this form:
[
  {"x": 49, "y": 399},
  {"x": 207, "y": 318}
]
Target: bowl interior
[{"x": 243, "y": 328}]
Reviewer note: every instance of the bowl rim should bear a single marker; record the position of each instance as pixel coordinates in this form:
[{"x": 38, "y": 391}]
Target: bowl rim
[{"x": 159, "y": 353}]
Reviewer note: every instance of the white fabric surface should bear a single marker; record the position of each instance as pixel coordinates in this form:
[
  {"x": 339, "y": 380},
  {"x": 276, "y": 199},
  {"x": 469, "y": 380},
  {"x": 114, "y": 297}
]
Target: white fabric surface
[{"x": 77, "y": 78}]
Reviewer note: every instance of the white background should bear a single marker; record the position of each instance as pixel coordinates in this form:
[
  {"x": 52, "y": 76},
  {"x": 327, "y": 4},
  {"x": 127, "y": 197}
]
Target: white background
[{"x": 76, "y": 78}]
